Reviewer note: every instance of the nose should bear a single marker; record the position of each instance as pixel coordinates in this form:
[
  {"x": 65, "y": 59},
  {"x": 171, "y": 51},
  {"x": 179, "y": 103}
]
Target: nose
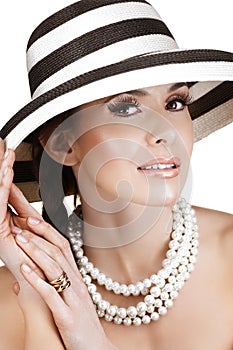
[{"x": 156, "y": 139}]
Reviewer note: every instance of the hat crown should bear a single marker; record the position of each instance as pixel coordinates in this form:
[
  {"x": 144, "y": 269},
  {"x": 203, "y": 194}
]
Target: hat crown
[{"x": 91, "y": 34}]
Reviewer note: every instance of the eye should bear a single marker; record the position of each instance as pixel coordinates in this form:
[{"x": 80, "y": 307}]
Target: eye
[
  {"x": 178, "y": 103},
  {"x": 125, "y": 106}
]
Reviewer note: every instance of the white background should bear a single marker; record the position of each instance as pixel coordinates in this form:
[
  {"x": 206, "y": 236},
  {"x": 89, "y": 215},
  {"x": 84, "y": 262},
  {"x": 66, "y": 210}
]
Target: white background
[{"x": 195, "y": 24}]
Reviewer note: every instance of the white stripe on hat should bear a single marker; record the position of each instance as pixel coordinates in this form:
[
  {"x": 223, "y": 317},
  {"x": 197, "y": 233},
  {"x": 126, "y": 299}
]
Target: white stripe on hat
[
  {"x": 106, "y": 56},
  {"x": 85, "y": 23}
]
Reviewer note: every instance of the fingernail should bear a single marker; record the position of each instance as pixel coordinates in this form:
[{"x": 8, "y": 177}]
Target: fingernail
[
  {"x": 6, "y": 154},
  {"x": 26, "y": 268},
  {"x": 16, "y": 230},
  {"x": 21, "y": 239},
  {"x": 33, "y": 221}
]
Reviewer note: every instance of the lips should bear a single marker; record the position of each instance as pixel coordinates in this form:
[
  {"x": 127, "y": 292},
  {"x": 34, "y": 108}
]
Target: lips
[{"x": 161, "y": 167}]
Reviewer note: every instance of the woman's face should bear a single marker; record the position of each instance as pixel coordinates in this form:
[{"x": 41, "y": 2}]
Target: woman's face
[{"x": 134, "y": 147}]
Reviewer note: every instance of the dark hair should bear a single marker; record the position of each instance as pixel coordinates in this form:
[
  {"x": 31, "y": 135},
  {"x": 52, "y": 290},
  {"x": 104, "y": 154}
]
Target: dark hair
[{"x": 54, "y": 210}]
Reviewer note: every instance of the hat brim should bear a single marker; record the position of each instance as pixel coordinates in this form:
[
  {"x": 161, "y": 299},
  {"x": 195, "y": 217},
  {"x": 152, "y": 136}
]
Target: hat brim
[{"x": 211, "y": 72}]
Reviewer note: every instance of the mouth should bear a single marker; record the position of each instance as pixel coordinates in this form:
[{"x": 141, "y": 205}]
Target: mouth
[{"x": 161, "y": 167}]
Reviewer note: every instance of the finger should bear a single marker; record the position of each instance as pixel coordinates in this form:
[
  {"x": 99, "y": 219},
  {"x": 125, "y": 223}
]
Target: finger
[
  {"x": 50, "y": 260},
  {"x": 50, "y": 234},
  {"x": 47, "y": 292},
  {"x": 21, "y": 204},
  {"x": 48, "y": 257},
  {"x": 6, "y": 178},
  {"x": 2, "y": 148}
]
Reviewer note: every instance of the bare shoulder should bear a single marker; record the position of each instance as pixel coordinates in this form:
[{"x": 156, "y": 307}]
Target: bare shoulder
[
  {"x": 11, "y": 320},
  {"x": 217, "y": 226}
]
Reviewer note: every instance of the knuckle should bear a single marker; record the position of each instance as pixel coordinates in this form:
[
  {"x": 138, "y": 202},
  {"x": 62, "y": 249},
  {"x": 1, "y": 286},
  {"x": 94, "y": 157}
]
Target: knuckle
[
  {"x": 65, "y": 245},
  {"x": 55, "y": 252}
]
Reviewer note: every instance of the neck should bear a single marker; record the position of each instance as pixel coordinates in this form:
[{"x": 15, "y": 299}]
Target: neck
[{"x": 128, "y": 245}]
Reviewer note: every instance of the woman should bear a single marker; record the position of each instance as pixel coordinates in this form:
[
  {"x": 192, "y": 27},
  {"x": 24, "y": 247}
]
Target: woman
[{"x": 127, "y": 136}]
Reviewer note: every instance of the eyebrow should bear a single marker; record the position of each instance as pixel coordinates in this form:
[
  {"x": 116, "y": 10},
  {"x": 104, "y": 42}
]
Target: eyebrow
[{"x": 139, "y": 92}]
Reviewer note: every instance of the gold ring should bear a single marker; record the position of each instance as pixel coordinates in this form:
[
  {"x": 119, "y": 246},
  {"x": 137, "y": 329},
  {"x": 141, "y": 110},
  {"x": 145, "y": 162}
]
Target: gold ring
[{"x": 61, "y": 283}]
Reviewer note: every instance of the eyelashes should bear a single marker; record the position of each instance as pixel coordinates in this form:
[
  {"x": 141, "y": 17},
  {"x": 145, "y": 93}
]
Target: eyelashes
[
  {"x": 124, "y": 106},
  {"x": 127, "y": 105}
]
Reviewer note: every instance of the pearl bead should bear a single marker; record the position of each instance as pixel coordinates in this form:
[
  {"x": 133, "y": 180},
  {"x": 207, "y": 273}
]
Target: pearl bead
[
  {"x": 161, "y": 282},
  {"x": 108, "y": 318},
  {"x": 164, "y": 296},
  {"x": 131, "y": 288},
  {"x": 137, "y": 321},
  {"x": 139, "y": 286},
  {"x": 103, "y": 305},
  {"x": 132, "y": 311},
  {"x": 174, "y": 294},
  {"x": 79, "y": 253},
  {"x": 141, "y": 306},
  {"x": 117, "y": 320},
  {"x": 101, "y": 278},
  {"x": 154, "y": 316},
  {"x": 155, "y": 291},
  {"x": 162, "y": 310},
  {"x": 95, "y": 273},
  {"x": 112, "y": 310},
  {"x": 123, "y": 288},
  {"x": 150, "y": 309},
  {"x": 146, "y": 319},
  {"x": 190, "y": 267},
  {"x": 121, "y": 312},
  {"x": 168, "y": 303},
  {"x": 96, "y": 297},
  {"x": 145, "y": 291},
  {"x": 149, "y": 300},
  {"x": 100, "y": 313},
  {"x": 108, "y": 283},
  {"x": 154, "y": 278},
  {"x": 147, "y": 283},
  {"x": 158, "y": 302},
  {"x": 127, "y": 321},
  {"x": 87, "y": 279},
  {"x": 84, "y": 260},
  {"x": 91, "y": 288},
  {"x": 116, "y": 287},
  {"x": 163, "y": 273},
  {"x": 171, "y": 279}
]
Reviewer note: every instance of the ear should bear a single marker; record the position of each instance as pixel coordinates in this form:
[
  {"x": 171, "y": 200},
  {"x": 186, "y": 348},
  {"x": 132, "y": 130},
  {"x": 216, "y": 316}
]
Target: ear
[{"x": 58, "y": 147}]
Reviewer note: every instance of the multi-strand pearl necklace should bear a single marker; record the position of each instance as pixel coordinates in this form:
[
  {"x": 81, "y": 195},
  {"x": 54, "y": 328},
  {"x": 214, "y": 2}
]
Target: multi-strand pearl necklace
[{"x": 159, "y": 290}]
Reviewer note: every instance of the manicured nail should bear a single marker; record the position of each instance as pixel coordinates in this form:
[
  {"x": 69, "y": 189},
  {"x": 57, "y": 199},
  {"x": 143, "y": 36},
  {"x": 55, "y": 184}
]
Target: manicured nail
[
  {"x": 6, "y": 154},
  {"x": 26, "y": 268},
  {"x": 33, "y": 221},
  {"x": 21, "y": 239},
  {"x": 16, "y": 230}
]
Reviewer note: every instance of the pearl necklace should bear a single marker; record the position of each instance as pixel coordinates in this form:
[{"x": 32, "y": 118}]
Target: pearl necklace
[{"x": 159, "y": 290}]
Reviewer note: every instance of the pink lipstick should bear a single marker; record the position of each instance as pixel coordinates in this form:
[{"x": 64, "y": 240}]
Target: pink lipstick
[{"x": 161, "y": 167}]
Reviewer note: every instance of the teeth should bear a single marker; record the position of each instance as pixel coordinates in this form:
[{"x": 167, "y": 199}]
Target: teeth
[{"x": 158, "y": 167}]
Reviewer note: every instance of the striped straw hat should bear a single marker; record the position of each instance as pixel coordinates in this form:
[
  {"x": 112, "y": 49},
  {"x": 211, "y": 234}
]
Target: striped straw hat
[{"x": 97, "y": 48}]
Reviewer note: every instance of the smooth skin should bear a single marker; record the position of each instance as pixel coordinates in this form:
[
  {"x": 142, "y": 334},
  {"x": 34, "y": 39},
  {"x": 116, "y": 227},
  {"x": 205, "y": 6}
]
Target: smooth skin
[{"x": 202, "y": 317}]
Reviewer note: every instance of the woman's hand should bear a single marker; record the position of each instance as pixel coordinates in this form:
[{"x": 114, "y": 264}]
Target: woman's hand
[
  {"x": 33, "y": 306},
  {"x": 72, "y": 310},
  {"x": 10, "y": 253}
]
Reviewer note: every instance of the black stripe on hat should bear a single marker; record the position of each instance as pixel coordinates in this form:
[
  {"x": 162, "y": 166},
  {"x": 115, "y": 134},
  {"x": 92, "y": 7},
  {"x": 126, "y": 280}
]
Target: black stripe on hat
[
  {"x": 99, "y": 38},
  {"x": 212, "y": 99},
  {"x": 23, "y": 171},
  {"x": 134, "y": 63},
  {"x": 70, "y": 12}
]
